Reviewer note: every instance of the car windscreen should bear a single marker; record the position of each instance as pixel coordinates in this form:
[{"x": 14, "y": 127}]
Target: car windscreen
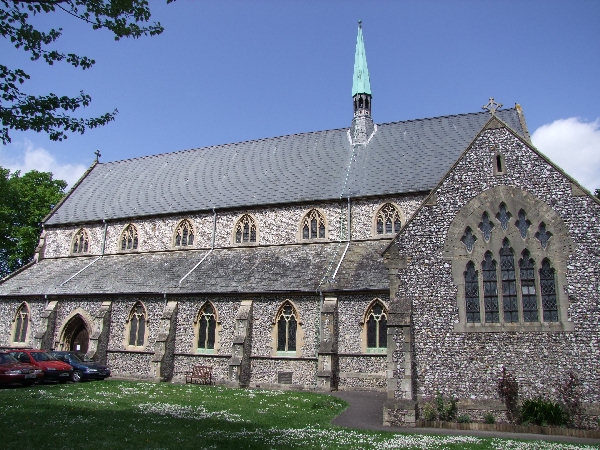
[{"x": 41, "y": 356}]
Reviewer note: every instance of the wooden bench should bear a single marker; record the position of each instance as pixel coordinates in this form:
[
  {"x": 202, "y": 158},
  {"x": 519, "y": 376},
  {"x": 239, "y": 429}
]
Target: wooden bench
[{"x": 199, "y": 375}]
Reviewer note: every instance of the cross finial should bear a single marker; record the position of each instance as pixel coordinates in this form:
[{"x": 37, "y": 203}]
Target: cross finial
[
  {"x": 98, "y": 155},
  {"x": 492, "y": 106}
]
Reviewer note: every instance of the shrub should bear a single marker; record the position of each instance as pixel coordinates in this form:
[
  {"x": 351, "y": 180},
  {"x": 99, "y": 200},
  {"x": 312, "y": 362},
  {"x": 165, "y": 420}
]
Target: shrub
[
  {"x": 508, "y": 389},
  {"x": 446, "y": 409},
  {"x": 464, "y": 418},
  {"x": 489, "y": 418},
  {"x": 543, "y": 412},
  {"x": 429, "y": 412}
]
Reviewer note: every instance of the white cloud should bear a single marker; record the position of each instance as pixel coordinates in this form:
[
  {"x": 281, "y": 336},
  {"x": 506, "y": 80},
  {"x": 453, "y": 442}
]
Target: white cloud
[
  {"x": 25, "y": 157},
  {"x": 574, "y": 145}
]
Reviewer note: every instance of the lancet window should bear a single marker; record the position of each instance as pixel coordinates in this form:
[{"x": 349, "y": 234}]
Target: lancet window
[
  {"x": 81, "y": 242},
  {"x": 184, "y": 234},
  {"x": 245, "y": 230},
  {"x": 313, "y": 225},
  {"x": 129, "y": 238},
  {"x": 21, "y": 324},
  {"x": 206, "y": 323},
  {"x": 137, "y": 322}
]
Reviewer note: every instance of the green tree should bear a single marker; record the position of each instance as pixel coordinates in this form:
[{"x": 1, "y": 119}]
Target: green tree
[
  {"x": 52, "y": 113},
  {"x": 24, "y": 202}
]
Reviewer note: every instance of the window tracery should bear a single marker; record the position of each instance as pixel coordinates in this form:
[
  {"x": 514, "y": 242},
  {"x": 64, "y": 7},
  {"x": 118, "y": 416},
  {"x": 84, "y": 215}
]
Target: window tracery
[
  {"x": 287, "y": 327},
  {"x": 206, "y": 323},
  {"x": 376, "y": 325},
  {"x": 137, "y": 322},
  {"x": 81, "y": 242},
  {"x": 129, "y": 238},
  {"x": 511, "y": 277},
  {"x": 313, "y": 225},
  {"x": 388, "y": 220},
  {"x": 245, "y": 230},
  {"x": 184, "y": 234}
]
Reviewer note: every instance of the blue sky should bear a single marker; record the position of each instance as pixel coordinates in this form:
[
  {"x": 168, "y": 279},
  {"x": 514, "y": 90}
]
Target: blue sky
[{"x": 229, "y": 71}]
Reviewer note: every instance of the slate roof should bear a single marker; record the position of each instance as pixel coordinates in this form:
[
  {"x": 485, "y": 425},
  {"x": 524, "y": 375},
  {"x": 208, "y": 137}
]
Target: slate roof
[
  {"x": 291, "y": 268},
  {"x": 401, "y": 157}
]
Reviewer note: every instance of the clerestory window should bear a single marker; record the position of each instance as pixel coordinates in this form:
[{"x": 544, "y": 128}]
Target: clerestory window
[
  {"x": 388, "y": 221},
  {"x": 184, "y": 234},
  {"x": 313, "y": 225},
  {"x": 129, "y": 238},
  {"x": 245, "y": 230},
  {"x": 81, "y": 242}
]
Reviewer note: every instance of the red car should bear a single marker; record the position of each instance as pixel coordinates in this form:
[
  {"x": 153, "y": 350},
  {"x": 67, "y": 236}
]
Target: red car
[
  {"x": 13, "y": 371},
  {"x": 54, "y": 370}
]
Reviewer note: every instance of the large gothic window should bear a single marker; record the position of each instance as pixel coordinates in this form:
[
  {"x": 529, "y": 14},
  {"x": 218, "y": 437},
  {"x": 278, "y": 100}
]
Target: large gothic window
[
  {"x": 206, "y": 323},
  {"x": 388, "y": 220},
  {"x": 21, "y": 324},
  {"x": 137, "y": 322},
  {"x": 508, "y": 261},
  {"x": 129, "y": 238},
  {"x": 313, "y": 225},
  {"x": 376, "y": 325},
  {"x": 184, "y": 234},
  {"x": 245, "y": 230},
  {"x": 287, "y": 327},
  {"x": 81, "y": 242}
]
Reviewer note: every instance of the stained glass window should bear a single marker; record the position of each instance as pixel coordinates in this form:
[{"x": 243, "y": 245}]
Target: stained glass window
[
  {"x": 543, "y": 235},
  {"x": 468, "y": 239},
  {"x": 548, "y": 288},
  {"x": 486, "y": 226},
  {"x": 503, "y": 216},
  {"x": 528, "y": 293},
  {"x": 510, "y": 306},
  {"x": 490, "y": 289},
  {"x": 523, "y": 223},
  {"x": 472, "y": 294}
]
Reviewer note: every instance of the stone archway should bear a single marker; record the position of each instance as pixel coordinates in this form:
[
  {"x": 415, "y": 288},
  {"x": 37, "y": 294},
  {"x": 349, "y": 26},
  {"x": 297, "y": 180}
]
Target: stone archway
[{"x": 75, "y": 335}]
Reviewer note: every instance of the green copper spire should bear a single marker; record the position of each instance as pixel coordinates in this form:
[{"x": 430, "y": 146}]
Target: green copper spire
[{"x": 360, "y": 83}]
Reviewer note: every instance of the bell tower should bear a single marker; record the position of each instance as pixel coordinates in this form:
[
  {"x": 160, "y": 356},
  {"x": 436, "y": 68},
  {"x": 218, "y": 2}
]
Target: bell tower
[{"x": 362, "y": 123}]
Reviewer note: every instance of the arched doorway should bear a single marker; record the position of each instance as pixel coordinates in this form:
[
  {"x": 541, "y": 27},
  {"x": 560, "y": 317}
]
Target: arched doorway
[{"x": 76, "y": 336}]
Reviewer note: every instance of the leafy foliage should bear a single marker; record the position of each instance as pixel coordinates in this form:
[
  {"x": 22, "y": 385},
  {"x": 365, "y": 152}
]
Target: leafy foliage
[
  {"x": 51, "y": 113},
  {"x": 508, "y": 389},
  {"x": 442, "y": 409},
  {"x": 543, "y": 412},
  {"x": 24, "y": 202}
]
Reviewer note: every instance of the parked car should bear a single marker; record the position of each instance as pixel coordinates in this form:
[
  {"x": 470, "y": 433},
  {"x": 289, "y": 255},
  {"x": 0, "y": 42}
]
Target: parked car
[
  {"x": 83, "y": 368},
  {"x": 14, "y": 371},
  {"x": 54, "y": 370}
]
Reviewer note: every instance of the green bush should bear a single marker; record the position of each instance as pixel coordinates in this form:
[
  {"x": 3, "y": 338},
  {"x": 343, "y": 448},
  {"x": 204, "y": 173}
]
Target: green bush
[
  {"x": 543, "y": 412},
  {"x": 489, "y": 418},
  {"x": 464, "y": 418},
  {"x": 429, "y": 412}
]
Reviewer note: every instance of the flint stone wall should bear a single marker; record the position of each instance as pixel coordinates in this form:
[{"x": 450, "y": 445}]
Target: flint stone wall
[{"x": 468, "y": 365}]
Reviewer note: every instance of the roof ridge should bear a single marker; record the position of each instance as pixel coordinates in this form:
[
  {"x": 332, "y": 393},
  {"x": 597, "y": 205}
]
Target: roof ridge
[{"x": 279, "y": 137}]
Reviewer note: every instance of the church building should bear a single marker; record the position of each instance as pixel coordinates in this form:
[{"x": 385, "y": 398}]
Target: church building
[{"x": 414, "y": 258}]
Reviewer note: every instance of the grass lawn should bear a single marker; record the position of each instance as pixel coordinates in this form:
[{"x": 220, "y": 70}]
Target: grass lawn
[{"x": 129, "y": 415}]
